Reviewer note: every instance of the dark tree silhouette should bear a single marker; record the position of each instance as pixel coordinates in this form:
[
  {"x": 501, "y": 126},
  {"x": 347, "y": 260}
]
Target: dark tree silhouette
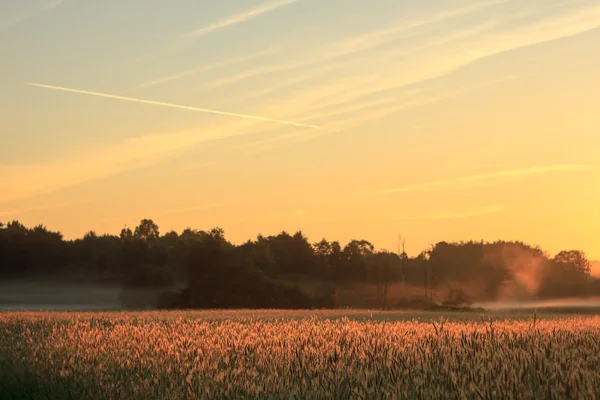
[{"x": 202, "y": 269}]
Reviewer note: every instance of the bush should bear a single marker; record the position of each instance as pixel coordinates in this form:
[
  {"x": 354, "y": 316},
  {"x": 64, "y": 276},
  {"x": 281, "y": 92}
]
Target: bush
[
  {"x": 148, "y": 276},
  {"x": 457, "y": 297},
  {"x": 326, "y": 297},
  {"x": 249, "y": 288},
  {"x": 143, "y": 285},
  {"x": 174, "y": 300},
  {"x": 293, "y": 296}
]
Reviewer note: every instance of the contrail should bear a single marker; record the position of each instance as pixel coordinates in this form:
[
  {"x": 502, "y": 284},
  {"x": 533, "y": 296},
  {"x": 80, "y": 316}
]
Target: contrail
[
  {"x": 242, "y": 17},
  {"x": 492, "y": 175},
  {"x": 182, "y": 107},
  {"x": 457, "y": 215}
]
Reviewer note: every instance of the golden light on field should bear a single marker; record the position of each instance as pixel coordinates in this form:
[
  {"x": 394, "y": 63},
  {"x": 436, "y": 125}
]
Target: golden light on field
[{"x": 272, "y": 354}]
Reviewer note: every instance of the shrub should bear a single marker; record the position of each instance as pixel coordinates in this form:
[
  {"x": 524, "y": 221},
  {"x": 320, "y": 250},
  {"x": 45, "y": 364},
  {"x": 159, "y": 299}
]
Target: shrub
[
  {"x": 148, "y": 276},
  {"x": 326, "y": 297},
  {"x": 174, "y": 300}
]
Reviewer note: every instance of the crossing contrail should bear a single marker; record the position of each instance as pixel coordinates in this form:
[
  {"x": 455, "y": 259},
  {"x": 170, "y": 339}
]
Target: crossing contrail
[{"x": 171, "y": 105}]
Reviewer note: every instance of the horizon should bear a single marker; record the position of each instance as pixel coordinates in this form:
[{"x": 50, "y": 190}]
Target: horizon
[
  {"x": 594, "y": 264},
  {"x": 440, "y": 121}
]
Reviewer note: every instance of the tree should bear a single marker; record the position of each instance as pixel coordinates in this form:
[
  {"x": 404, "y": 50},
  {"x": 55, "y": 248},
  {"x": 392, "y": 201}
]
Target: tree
[
  {"x": 457, "y": 298},
  {"x": 146, "y": 230},
  {"x": 258, "y": 254},
  {"x": 169, "y": 240},
  {"x": 323, "y": 251},
  {"x": 354, "y": 254},
  {"x": 267, "y": 272},
  {"x": 207, "y": 273},
  {"x": 576, "y": 260},
  {"x": 293, "y": 254},
  {"x": 381, "y": 274},
  {"x": 403, "y": 256},
  {"x": 126, "y": 233},
  {"x": 422, "y": 261},
  {"x": 330, "y": 259}
]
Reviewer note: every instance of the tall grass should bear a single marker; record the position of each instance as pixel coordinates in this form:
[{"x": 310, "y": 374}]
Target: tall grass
[{"x": 268, "y": 355}]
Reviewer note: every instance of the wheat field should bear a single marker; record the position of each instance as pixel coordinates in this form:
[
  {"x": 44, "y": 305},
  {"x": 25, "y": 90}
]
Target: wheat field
[{"x": 297, "y": 355}]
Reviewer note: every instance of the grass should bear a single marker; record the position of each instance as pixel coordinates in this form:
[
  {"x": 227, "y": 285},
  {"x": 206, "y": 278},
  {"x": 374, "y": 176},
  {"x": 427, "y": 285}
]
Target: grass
[{"x": 340, "y": 354}]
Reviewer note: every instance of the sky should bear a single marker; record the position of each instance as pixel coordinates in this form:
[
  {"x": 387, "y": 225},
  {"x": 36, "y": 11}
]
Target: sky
[{"x": 435, "y": 120}]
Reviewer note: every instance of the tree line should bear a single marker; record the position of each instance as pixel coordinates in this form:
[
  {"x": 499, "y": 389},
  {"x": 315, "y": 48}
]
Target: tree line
[{"x": 202, "y": 269}]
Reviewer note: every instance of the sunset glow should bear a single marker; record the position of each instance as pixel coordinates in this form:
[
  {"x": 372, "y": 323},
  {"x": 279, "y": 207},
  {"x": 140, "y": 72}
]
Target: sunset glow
[{"x": 438, "y": 120}]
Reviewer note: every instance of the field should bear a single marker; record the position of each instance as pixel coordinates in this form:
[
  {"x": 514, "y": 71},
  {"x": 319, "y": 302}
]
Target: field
[{"x": 298, "y": 354}]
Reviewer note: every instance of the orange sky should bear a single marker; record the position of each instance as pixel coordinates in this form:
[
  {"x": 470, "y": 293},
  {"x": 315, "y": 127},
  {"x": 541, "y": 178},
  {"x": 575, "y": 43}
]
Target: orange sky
[{"x": 443, "y": 120}]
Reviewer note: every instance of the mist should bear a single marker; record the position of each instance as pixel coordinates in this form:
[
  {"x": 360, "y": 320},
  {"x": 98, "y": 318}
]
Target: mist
[
  {"x": 38, "y": 295},
  {"x": 593, "y": 302},
  {"x": 143, "y": 268},
  {"x": 525, "y": 271}
]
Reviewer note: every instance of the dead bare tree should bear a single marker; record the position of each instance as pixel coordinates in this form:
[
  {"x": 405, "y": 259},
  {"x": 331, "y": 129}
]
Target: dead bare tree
[
  {"x": 403, "y": 256},
  {"x": 423, "y": 263},
  {"x": 432, "y": 282},
  {"x": 381, "y": 274},
  {"x": 425, "y": 280}
]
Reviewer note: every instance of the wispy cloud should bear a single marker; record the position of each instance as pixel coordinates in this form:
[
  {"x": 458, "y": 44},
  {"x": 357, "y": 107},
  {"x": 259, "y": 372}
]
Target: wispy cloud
[
  {"x": 171, "y": 105},
  {"x": 13, "y": 213},
  {"x": 241, "y": 17},
  {"x": 338, "y": 100},
  {"x": 424, "y": 61},
  {"x": 198, "y": 166},
  {"x": 513, "y": 173},
  {"x": 392, "y": 33},
  {"x": 331, "y": 52},
  {"x": 441, "y": 61},
  {"x": 206, "y": 68},
  {"x": 494, "y": 209},
  {"x": 28, "y": 12},
  {"x": 31, "y": 180},
  {"x": 368, "y": 111},
  {"x": 185, "y": 210}
]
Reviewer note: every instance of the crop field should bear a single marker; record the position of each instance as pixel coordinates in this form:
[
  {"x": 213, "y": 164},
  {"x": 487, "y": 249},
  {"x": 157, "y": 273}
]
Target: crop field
[{"x": 298, "y": 355}]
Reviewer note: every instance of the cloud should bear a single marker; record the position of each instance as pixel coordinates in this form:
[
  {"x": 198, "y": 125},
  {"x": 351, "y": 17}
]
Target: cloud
[
  {"x": 426, "y": 60},
  {"x": 383, "y": 112},
  {"x": 206, "y": 68},
  {"x": 27, "y": 181},
  {"x": 424, "y": 66},
  {"x": 419, "y": 61},
  {"x": 457, "y": 215},
  {"x": 78, "y": 168},
  {"x": 465, "y": 180},
  {"x": 389, "y": 34},
  {"x": 41, "y": 207},
  {"x": 329, "y": 53},
  {"x": 184, "y": 210},
  {"x": 28, "y": 12},
  {"x": 348, "y": 88},
  {"x": 198, "y": 166},
  {"x": 241, "y": 17},
  {"x": 300, "y": 213},
  {"x": 171, "y": 105},
  {"x": 273, "y": 142}
]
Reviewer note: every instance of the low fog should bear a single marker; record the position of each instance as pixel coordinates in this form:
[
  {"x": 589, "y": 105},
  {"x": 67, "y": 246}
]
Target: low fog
[{"x": 39, "y": 295}]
